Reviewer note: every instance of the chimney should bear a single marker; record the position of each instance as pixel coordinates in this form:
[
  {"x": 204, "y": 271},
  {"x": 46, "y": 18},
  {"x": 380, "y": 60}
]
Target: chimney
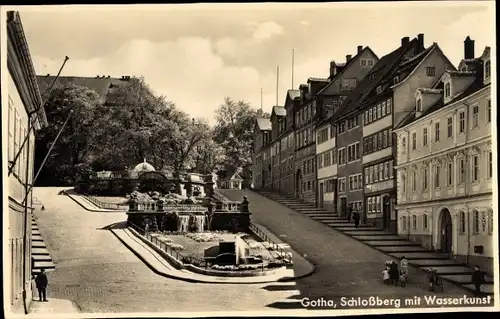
[
  {"x": 420, "y": 42},
  {"x": 333, "y": 67},
  {"x": 348, "y": 58},
  {"x": 360, "y": 48},
  {"x": 468, "y": 48},
  {"x": 48, "y": 74},
  {"x": 405, "y": 41}
]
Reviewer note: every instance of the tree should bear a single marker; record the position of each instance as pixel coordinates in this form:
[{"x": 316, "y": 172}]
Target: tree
[
  {"x": 234, "y": 133},
  {"x": 78, "y": 139}
]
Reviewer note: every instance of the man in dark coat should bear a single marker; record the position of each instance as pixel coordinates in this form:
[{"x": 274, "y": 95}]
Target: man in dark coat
[
  {"x": 41, "y": 284},
  {"x": 477, "y": 279},
  {"x": 394, "y": 273},
  {"x": 355, "y": 217}
]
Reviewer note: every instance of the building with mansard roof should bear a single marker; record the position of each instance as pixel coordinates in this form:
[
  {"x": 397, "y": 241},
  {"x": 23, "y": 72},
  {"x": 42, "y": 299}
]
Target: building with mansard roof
[{"x": 445, "y": 164}]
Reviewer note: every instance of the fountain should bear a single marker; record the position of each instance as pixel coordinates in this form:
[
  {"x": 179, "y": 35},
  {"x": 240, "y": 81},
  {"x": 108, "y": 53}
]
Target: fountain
[
  {"x": 183, "y": 223},
  {"x": 200, "y": 223}
]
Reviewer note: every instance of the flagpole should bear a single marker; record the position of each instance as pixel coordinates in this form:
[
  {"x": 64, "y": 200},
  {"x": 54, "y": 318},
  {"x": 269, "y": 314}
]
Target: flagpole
[
  {"x": 277, "y": 82},
  {"x": 261, "y": 106},
  {"x": 293, "y": 60}
]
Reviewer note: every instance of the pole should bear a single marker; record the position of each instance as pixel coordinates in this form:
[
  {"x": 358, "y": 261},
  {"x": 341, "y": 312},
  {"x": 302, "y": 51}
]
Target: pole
[
  {"x": 293, "y": 64},
  {"x": 277, "y": 82},
  {"x": 48, "y": 153},
  {"x": 261, "y": 107},
  {"x": 25, "y": 228},
  {"x": 32, "y": 124}
]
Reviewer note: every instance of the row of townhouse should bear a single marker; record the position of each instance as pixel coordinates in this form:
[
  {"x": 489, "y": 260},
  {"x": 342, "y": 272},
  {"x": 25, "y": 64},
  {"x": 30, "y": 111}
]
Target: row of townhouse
[{"x": 358, "y": 138}]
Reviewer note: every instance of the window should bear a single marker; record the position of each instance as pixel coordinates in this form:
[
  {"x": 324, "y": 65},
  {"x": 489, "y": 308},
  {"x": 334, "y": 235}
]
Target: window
[
  {"x": 414, "y": 221},
  {"x": 436, "y": 132},
  {"x": 461, "y": 166},
  {"x": 490, "y": 221},
  {"x": 370, "y": 62},
  {"x": 320, "y": 161},
  {"x": 425, "y": 221},
  {"x": 490, "y": 164},
  {"x": 403, "y": 144},
  {"x": 404, "y": 222},
  {"x": 389, "y": 106},
  {"x": 419, "y": 105},
  {"x": 10, "y": 147},
  {"x": 483, "y": 222},
  {"x": 450, "y": 174},
  {"x": 424, "y": 136},
  {"x": 341, "y": 127},
  {"x": 488, "y": 109},
  {"x": 447, "y": 90},
  {"x": 370, "y": 115},
  {"x": 379, "y": 110},
  {"x": 437, "y": 171},
  {"x": 475, "y": 168},
  {"x": 476, "y": 221},
  {"x": 341, "y": 156},
  {"x": 384, "y": 108},
  {"x": 450, "y": 127},
  {"x": 342, "y": 184},
  {"x": 414, "y": 141},
  {"x": 487, "y": 69},
  {"x": 424, "y": 178},
  {"x": 462, "y": 222},
  {"x": 462, "y": 122},
  {"x": 475, "y": 116},
  {"x": 334, "y": 157},
  {"x": 363, "y": 62},
  {"x": 431, "y": 71},
  {"x": 327, "y": 159},
  {"x": 403, "y": 182},
  {"x": 332, "y": 131},
  {"x": 414, "y": 181},
  {"x": 379, "y": 89}
]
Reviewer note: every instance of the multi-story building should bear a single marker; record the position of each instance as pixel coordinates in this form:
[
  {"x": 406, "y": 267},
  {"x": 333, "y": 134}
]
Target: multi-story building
[
  {"x": 343, "y": 79},
  {"x": 22, "y": 96},
  {"x": 381, "y": 103},
  {"x": 445, "y": 164},
  {"x": 305, "y": 144},
  {"x": 261, "y": 171},
  {"x": 278, "y": 122}
]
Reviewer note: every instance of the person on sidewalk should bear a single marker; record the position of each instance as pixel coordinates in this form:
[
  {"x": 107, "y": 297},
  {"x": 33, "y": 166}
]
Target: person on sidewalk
[
  {"x": 394, "y": 273},
  {"x": 355, "y": 217},
  {"x": 403, "y": 265},
  {"x": 41, "y": 284},
  {"x": 477, "y": 279},
  {"x": 43, "y": 208},
  {"x": 385, "y": 275}
]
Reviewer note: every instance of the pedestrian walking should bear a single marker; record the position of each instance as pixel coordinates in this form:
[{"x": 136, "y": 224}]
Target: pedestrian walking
[
  {"x": 394, "y": 273},
  {"x": 355, "y": 217},
  {"x": 43, "y": 208},
  {"x": 403, "y": 265},
  {"x": 477, "y": 279},
  {"x": 385, "y": 275},
  {"x": 41, "y": 282}
]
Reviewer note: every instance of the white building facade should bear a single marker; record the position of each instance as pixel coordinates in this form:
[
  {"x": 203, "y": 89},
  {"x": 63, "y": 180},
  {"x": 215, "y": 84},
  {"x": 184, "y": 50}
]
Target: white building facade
[
  {"x": 445, "y": 167},
  {"x": 23, "y": 105},
  {"x": 326, "y": 157}
]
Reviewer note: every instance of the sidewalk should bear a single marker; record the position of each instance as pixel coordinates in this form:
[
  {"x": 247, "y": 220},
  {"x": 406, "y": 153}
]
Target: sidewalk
[
  {"x": 53, "y": 308},
  {"x": 87, "y": 205},
  {"x": 160, "y": 266}
]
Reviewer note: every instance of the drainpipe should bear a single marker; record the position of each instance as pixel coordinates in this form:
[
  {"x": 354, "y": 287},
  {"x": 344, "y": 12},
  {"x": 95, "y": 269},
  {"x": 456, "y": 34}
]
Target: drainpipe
[
  {"x": 408, "y": 223},
  {"x": 25, "y": 222}
]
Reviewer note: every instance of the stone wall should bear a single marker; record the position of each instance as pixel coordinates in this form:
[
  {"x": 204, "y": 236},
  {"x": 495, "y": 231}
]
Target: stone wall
[{"x": 231, "y": 221}]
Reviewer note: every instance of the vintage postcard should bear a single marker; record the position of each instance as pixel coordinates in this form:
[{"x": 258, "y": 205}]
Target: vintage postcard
[{"x": 264, "y": 159}]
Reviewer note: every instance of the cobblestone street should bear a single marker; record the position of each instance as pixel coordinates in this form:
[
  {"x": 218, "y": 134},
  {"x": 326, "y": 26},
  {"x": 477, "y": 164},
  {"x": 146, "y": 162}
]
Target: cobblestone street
[{"x": 99, "y": 274}]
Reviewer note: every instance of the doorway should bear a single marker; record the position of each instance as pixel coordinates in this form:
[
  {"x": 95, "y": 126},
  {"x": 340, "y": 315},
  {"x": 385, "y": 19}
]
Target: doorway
[
  {"x": 446, "y": 231},
  {"x": 320, "y": 195},
  {"x": 386, "y": 212},
  {"x": 298, "y": 184},
  {"x": 343, "y": 206}
]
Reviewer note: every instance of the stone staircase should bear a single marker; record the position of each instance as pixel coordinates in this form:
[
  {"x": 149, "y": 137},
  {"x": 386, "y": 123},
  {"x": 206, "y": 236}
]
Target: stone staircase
[
  {"x": 39, "y": 251},
  {"x": 388, "y": 243}
]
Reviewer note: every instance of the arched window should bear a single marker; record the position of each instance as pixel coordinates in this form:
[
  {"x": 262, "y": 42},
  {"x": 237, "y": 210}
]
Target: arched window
[
  {"x": 490, "y": 221},
  {"x": 425, "y": 221},
  {"x": 414, "y": 222},
  {"x": 462, "y": 222},
  {"x": 447, "y": 89},
  {"x": 483, "y": 222},
  {"x": 419, "y": 105},
  {"x": 487, "y": 70},
  {"x": 404, "y": 222},
  {"x": 476, "y": 222},
  {"x": 403, "y": 182}
]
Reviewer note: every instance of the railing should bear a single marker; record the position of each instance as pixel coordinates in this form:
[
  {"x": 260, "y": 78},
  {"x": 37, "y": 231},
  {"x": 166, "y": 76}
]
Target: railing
[
  {"x": 286, "y": 255},
  {"x": 172, "y": 252},
  {"x": 104, "y": 205}
]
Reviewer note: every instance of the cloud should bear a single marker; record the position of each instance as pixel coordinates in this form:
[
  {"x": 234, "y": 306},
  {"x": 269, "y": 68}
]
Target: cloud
[{"x": 267, "y": 30}]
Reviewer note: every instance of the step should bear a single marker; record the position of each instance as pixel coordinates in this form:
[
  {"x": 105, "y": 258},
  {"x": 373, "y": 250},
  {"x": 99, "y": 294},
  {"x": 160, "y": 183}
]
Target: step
[
  {"x": 38, "y": 244},
  {"x": 451, "y": 270},
  {"x": 382, "y": 243},
  {"x": 39, "y": 251},
  {"x": 420, "y": 255},
  {"x": 425, "y": 263},
  {"x": 38, "y": 239},
  {"x": 35, "y": 232},
  {"x": 44, "y": 264},
  {"x": 379, "y": 238},
  {"x": 316, "y": 215},
  {"x": 348, "y": 228},
  {"x": 41, "y": 258},
  {"x": 403, "y": 249},
  {"x": 343, "y": 225},
  {"x": 464, "y": 279},
  {"x": 488, "y": 289},
  {"x": 366, "y": 233}
]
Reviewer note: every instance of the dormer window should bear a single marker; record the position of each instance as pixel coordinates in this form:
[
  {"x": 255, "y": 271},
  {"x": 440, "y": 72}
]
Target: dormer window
[
  {"x": 419, "y": 105},
  {"x": 379, "y": 89},
  {"x": 487, "y": 69},
  {"x": 447, "y": 90},
  {"x": 396, "y": 79},
  {"x": 464, "y": 68}
]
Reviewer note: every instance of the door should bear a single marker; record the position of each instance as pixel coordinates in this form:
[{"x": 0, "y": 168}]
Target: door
[
  {"x": 343, "y": 206},
  {"x": 335, "y": 209},
  {"x": 320, "y": 195},
  {"x": 386, "y": 212},
  {"x": 446, "y": 231}
]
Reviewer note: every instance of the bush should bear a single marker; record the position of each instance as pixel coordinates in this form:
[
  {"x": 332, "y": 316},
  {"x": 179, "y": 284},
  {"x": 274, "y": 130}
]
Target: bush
[{"x": 191, "y": 260}]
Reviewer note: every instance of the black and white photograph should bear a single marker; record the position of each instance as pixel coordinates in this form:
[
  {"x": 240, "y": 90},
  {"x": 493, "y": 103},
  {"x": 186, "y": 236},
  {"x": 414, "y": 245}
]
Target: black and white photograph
[{"x": 249, "y": 159}]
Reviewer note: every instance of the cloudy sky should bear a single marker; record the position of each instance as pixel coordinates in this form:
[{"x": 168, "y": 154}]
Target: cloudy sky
[{"x": 198, "y": 54}]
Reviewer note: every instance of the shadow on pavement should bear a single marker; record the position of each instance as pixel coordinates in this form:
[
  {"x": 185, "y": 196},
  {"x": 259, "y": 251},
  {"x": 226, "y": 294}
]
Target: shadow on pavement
[{"x": 118, "y": 225}]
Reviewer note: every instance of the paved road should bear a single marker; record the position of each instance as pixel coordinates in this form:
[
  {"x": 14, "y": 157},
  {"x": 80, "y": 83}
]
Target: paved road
[
  {"x": 345, "y": 267},
  {"x": 99, "y": 274}
]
